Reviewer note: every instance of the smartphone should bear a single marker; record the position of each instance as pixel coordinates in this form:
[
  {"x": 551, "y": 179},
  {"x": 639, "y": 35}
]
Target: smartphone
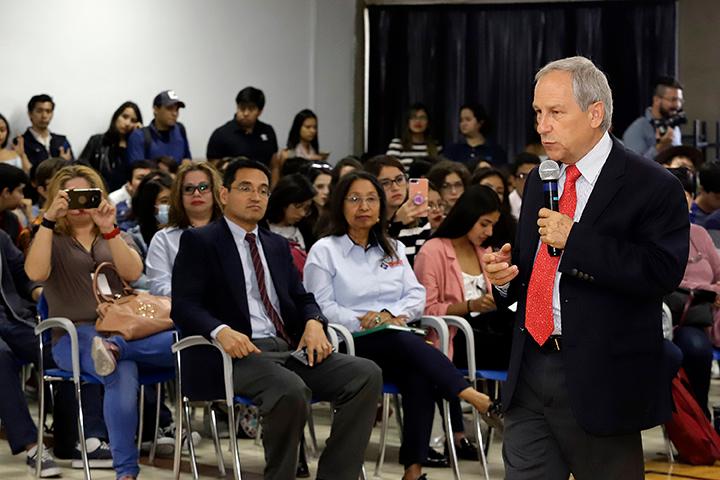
[
  {"x": 418, "y": 192},
  {"x": 84, "y": 198}
]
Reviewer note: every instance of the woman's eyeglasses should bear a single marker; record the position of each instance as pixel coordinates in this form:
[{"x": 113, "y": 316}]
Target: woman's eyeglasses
[
  {"x": 400, "y": 180},
  {"x": 355, "y": 201},
  {"x": 189, "y": 189}
]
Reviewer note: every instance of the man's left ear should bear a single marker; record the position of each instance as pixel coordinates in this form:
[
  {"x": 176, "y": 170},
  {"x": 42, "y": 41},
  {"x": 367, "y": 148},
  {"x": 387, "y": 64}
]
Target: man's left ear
[{"x": 596, "y": 113}]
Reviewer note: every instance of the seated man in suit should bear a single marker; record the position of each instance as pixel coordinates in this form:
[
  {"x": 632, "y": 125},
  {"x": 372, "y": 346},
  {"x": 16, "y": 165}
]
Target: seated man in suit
[{"x": 237, "y": 283}]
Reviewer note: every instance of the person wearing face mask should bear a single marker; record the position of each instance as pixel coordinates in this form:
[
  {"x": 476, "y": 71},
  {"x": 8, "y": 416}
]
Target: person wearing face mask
[
  {"x": 150, "y": 208},
  {"x": 107, "y": 152}
]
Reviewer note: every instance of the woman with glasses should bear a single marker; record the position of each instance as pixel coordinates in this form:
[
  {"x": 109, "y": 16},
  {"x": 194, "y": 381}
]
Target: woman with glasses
[
  {"x": 415, "y": 141},
  {"x": 194, "y": 202},
  {"x": 451, "y": 177},
  {"x": 361, "y": 279},
  {"x": 475, "y": 146},
  {"x": 407, "y": 221}
]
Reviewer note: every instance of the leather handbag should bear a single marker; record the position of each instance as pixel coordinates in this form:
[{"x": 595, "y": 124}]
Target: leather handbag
[{"x": 132, "y": 314}]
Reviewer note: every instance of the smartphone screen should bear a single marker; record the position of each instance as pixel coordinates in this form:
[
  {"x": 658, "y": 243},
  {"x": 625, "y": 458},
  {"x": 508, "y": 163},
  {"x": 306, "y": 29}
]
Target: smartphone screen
[{"x": 418, "y": 192}]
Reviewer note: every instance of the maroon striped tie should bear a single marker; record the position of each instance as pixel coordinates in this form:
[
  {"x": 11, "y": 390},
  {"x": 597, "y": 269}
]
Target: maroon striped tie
[{"x": 260, "y": 275}]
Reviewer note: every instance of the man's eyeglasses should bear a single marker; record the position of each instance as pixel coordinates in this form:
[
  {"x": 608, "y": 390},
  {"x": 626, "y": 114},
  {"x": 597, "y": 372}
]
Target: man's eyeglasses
[
  {"x": 457, "y": 186},
  {"x": 247, "y": 189},
  {"x": 189, "y": 189},
  {"x": 400, "y": 180},
  {"x": 355, "y": 200}
]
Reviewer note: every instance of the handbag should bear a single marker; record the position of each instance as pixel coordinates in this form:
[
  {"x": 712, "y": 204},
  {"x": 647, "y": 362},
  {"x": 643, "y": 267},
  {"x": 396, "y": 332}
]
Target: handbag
[
  {"x": 132, "y": 314},
  {"x": 693, "y": 307}
]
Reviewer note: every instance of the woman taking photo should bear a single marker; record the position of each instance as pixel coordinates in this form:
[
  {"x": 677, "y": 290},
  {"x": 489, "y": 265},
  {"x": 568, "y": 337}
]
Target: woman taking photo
[
  {"x": 194, "y": 202},
  {"x": 107, "y": 152},
  {"x": 67, "y": 248},
  {"x": 362, "y": 280},
  {"x": 415, "y": 140}
]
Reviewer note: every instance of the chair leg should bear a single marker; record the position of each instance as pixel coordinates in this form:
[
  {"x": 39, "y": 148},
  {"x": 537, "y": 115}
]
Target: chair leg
[
  {"x": 216, "y": 441},
  {"x": 233, "y": 441},
  {"x": 153, "y": 447},
  {"x": 383, "y": 433},
  {"x": 81, "y": 433},
  {"x": 191, "y": 447},
  {"x": 398, "y": 414},
  {"x": 450, "y": 440},
  {"x": 41, "y": 425},
  {"x": 363, "y": 473},
  {"x": 668, "y": 445},
  {"x": 481, "y": 447},
  {"x": 141, "y": 414},
  {"x": 315, "y": 452}
]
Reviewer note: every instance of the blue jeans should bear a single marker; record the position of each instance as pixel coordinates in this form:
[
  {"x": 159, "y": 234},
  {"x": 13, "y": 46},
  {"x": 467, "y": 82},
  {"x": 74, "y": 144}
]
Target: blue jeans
[{"x": 120, "y": 406}]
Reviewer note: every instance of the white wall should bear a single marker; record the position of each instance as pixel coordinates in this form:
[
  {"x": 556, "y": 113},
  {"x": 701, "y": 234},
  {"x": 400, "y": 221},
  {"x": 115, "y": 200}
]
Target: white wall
[{"x": 91, "y": 55}]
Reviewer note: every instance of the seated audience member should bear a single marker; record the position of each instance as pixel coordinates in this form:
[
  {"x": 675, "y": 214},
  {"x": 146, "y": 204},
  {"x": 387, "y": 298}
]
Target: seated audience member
[
  {"x": 452, "y": 178},
  {"x": 165, "y": 136},
  {"x": 122, "y": 197},
  {"x": 290, "y": 202},
  {"x": 303, "y": 138},
  {"x": 522, "y": 165},
  {"x": 108, "y": 152},
  {"x": 245, "y": 135},
  {"x": 362, "y": 280},
  {"x": 406, "y": 221},
  {"x": 68, "y": 245},
  {"x": 691, "y": 332},
  {"x": 416, "y": 140},
  {"x": 707, "y": 200},
  {"x": 506, "y": 226},
  {"x": 39, "y": 142},
  {"x": 681, "y": 156},
  {"x": 475, "y": 146},
  {"x": 15, "y": 155},
  {"x": 12, "y": 183},
  {"x": 168, "y": 165},
  {"x": 642, "y": 137},
  {"x": 245, "y": 292},
  {"x": 194, "y": 202},
  {"x": 150, "y": 207},
  {"x": 320, "y": 175},
  {"x": 436, "y": 208},
  {"x": 343, "y": 167}
]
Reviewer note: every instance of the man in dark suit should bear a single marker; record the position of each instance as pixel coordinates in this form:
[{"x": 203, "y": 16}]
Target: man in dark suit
[
  {"x": 586, "y": 373},
  {"x": 237, "y": 283}
]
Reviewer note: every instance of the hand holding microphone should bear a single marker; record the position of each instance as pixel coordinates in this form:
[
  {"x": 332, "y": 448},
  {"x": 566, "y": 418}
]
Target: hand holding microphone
[{"x": 553, "y": 226}]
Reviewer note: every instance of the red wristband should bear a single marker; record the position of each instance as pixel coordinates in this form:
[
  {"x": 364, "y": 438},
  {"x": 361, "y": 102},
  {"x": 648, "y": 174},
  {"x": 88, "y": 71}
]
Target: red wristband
[{"x": 112, "y": 234}]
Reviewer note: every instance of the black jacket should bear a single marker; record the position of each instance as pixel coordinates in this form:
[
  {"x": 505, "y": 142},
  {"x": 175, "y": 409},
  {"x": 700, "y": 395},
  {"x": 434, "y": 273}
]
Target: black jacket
[{"x": 36, "y": 152}]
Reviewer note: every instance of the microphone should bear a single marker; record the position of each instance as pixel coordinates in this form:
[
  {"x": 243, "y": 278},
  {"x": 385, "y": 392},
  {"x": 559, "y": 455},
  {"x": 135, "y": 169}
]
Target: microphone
[{"x": 550, "y": 174}]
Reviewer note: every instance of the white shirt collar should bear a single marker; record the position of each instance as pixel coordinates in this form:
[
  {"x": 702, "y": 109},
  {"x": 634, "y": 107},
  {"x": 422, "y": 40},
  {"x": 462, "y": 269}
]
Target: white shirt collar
[
  {"x": 238, "y": 231},
  {"x": 591, "y": 164}
]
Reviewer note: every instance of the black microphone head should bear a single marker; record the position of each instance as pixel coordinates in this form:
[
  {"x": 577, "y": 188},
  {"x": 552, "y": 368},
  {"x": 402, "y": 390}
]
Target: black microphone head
[{"x": 549, "y": 171}]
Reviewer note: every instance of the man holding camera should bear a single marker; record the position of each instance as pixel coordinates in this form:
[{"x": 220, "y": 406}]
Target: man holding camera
[{"x": 659, "y": 128}]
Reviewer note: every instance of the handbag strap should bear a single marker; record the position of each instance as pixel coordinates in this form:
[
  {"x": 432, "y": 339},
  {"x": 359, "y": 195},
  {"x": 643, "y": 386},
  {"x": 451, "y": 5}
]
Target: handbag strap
[
  {"x": 686, "y": 308},
  {"x": 101, "y": 297}
]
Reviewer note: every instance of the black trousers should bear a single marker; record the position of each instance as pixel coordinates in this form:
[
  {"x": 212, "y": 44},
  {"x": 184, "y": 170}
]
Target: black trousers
[
  {"x": 421, "y": 373},
  {"x": 543, "y": 440}
]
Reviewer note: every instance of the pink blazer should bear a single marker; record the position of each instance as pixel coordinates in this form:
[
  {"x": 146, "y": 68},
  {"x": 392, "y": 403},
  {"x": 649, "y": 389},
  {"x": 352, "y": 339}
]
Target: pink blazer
[{"x": 438, "y": 270}]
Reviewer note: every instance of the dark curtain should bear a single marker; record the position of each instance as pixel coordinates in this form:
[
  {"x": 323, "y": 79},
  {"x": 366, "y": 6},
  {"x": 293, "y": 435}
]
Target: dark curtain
[{"x": 446, "y": 55}]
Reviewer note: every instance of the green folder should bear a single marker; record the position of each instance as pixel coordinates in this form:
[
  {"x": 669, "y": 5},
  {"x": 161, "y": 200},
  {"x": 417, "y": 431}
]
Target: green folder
[{"x": 389, "y": 326}]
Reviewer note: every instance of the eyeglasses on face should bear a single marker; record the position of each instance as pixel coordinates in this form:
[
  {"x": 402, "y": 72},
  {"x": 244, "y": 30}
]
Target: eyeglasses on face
[
  {"x": 356, "y": 200},
  {"x": 189, "y": 188},
  {"x": 400, "y": 180},
  {"x": 448, "y": 187},
  {"x": 436, "y": 206},
  {"x": 247, "y": 189}
]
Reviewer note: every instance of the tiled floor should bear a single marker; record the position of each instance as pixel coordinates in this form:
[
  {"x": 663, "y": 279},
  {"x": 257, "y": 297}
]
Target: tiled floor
[{"x": 252, "y": 458}]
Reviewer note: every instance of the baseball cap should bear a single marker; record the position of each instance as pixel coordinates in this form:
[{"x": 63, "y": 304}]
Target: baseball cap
[{"x": 167, "y": 98}]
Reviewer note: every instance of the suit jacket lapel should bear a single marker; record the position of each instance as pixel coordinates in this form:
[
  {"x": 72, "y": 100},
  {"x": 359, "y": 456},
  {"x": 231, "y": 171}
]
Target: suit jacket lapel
[
  {"x": 606, "y": 185},
  {"x": 233, "y": 269}
]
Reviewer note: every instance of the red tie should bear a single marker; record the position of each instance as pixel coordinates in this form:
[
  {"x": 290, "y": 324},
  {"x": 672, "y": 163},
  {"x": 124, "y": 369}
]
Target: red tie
[
  {"x": 538, "y": 310},
  {"x": 260, "y": 275}
]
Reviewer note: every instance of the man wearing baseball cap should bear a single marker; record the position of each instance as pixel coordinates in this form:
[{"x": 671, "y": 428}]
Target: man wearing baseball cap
[{"x": 165, "y": 136}]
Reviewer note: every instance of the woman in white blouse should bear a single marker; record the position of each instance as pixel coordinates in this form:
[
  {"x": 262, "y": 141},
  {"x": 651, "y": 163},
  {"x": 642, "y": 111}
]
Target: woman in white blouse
[
  {"x": 194, "y": 202},
  {"x": 361, "y": 279}
]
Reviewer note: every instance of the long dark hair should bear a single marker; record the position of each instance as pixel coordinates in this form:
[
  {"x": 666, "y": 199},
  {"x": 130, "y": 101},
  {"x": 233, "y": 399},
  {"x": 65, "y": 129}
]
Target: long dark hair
[
  {"x": 337, "y": 224},
  {"x": 406, "y": 135},
  {"x": 504, "y": 231},
  {"x": 480, "y": 115},
  {"x": 294, "y": 134},
  {"x": 7, "y": 125},
  {"x": 143, "y": 202},
  {"x": 476, "y": 201},
  {"x": 112, "y": 136},
  {"x": 290, "y": 189}
]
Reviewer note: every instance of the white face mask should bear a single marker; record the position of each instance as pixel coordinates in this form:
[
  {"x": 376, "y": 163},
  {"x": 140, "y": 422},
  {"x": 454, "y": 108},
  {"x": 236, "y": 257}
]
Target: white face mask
[{"x": 163, "y": 213}]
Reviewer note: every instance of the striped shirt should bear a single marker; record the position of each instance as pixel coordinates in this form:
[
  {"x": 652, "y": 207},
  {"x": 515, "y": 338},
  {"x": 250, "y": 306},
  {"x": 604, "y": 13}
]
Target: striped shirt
[{"x": 406, "y": 157}]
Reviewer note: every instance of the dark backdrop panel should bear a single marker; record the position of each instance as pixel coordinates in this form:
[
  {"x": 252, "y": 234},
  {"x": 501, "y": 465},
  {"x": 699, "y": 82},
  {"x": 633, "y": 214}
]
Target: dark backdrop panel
[{"x": 446, "y": 55}]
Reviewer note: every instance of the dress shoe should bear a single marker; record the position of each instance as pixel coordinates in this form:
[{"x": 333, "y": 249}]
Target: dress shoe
[
  {"x": 435, "y": 459},
  {"x": 465, "y": 450}
]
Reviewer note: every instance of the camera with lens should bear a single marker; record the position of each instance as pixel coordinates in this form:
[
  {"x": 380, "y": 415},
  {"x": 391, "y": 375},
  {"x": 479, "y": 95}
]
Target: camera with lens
[
  {"x": 663, "y": 124},
  {"x": 84, "y": 198}
]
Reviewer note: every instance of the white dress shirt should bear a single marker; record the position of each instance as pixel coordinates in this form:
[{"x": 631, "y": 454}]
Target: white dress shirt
[
  {"x": 161, "y": 258},
  {"x": 262, "y": 326},
  {"x": 348, "y": 281}
]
